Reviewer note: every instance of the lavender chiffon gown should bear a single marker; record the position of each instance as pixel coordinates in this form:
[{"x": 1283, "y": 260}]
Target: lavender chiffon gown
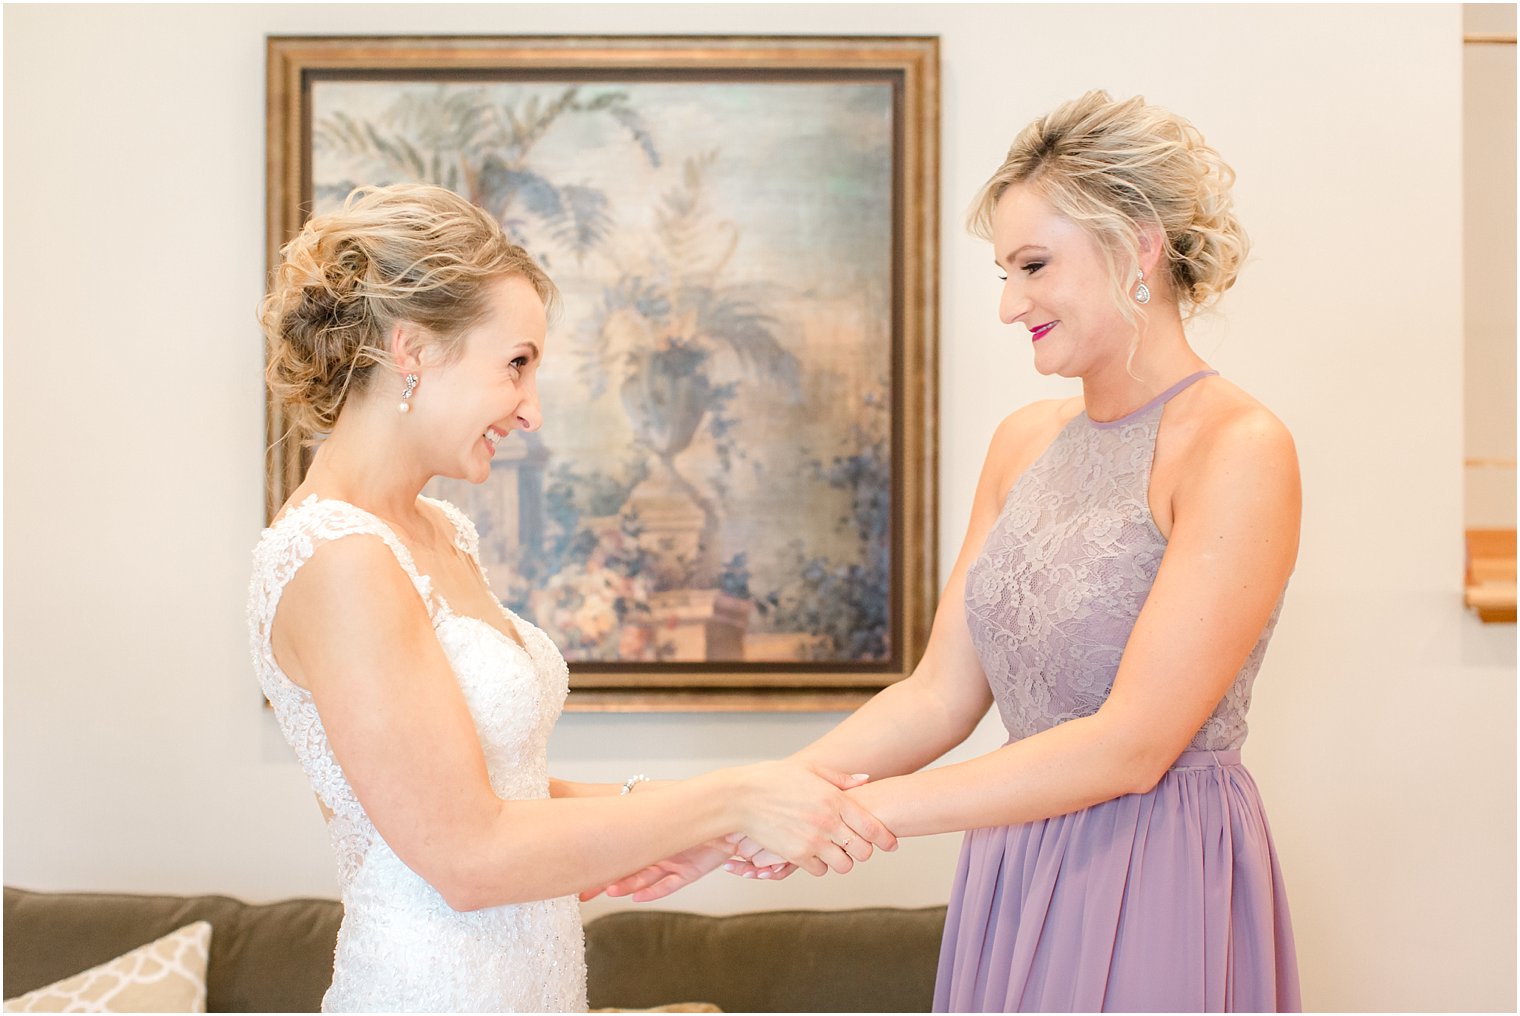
[{"x": 1170, "y": 900}]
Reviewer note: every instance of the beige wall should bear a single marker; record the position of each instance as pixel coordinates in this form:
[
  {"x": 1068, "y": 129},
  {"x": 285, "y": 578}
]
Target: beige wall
[
  {"x": 1488, "y": 199},
  {"x": 137, "y": 755}
]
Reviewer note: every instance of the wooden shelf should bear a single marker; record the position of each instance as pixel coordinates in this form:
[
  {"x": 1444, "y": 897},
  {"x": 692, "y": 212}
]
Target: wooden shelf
[{"x": 1491, "y": 574}]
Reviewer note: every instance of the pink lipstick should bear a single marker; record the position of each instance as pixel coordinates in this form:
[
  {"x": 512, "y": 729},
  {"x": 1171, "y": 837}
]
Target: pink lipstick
[{"x": 1036, "y": 334}]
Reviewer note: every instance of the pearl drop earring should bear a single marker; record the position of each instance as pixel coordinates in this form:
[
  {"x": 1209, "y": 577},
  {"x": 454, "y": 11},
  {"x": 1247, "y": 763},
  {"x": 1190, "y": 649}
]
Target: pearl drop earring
[{"x": 405, "y": 405}]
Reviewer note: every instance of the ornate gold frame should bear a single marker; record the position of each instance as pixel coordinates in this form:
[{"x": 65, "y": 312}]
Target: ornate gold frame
[{"x": 911, "y": 66}]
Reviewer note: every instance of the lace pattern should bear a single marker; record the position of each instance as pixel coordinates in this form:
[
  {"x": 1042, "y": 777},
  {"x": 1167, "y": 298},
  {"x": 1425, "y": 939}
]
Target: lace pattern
[
  {"x": 1062, "y": 577},
  {"x": 401, "y": 947}
]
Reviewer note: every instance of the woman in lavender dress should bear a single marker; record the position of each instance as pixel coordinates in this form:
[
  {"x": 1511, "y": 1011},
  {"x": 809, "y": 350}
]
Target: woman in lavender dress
[{"x": 1121, "y": 575}]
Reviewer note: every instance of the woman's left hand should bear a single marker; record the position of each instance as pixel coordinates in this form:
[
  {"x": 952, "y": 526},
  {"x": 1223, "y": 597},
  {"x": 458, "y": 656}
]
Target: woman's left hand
[
  {"x": 751, "y": 860},
  {"x": 662, "y": 878}
]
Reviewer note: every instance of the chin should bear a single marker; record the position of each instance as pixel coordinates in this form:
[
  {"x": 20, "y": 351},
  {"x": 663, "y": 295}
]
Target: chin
[
  {"x": 1058, "y": 363},
  {"x": 469, "y": 472},
  {"x": 1047, "y": 368}
]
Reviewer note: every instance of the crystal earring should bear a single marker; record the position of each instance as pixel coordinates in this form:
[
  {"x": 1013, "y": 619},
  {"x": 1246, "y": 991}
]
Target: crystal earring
[
  {"x": 1142, "y": 291},
  {"x": 405, "y": 405}
]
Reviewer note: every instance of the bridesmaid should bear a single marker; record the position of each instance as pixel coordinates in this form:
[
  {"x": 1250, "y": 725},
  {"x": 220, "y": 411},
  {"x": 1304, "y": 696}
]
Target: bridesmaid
[{"x": 1120, "y": 578}]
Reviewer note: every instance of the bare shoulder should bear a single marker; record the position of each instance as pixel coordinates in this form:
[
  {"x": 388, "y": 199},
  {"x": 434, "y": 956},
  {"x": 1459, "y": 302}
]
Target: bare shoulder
[
  {"x": 1229, "y": 424},
  {"x": 1234, "y": 453},
  {"x": 1024, "y": 434},
  {"x": 351, "y": 574},
  {"x": 1036, "y": 418},
  {"x": 351, "y": 590}
]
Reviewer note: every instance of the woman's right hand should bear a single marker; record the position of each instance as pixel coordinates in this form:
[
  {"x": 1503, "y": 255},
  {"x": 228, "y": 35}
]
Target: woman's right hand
[{"x": 799, "y": 811}]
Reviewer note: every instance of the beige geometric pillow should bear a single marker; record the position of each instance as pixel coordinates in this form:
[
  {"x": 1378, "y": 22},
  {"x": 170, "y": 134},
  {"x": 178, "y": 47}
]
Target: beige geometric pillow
[{"x": 168, "y": 975}]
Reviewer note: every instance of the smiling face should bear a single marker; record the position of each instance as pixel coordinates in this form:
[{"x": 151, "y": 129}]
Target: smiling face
[
  {"x": 468, "y": 405},
  {"x": 1058, "y": 285}
]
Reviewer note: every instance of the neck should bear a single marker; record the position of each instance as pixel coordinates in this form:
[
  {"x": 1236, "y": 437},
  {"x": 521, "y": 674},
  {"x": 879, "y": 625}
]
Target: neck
[
  {"x": 1162, "y": 358},
  {"x": 368, "y": 461}
]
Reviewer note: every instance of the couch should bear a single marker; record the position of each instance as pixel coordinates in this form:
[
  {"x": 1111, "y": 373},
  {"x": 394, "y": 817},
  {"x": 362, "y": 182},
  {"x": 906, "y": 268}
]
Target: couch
[{"x": 277, "y": 957}]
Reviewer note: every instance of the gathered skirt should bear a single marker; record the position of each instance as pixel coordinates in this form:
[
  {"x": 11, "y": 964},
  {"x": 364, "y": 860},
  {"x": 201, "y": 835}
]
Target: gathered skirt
[{"x": 1171, "y": 900}]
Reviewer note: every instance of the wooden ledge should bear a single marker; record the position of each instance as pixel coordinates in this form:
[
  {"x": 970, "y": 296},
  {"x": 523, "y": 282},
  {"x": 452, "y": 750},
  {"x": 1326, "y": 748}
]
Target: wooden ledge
[{"x": 1491, "y": 574}]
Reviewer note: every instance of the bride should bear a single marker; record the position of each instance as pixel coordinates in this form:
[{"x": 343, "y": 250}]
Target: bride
[{"x": 409, "y": 330}]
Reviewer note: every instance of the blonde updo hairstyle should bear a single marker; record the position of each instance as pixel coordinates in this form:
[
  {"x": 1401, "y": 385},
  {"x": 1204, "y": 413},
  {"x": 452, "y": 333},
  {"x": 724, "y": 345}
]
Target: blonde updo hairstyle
[
  {"x": 1119, "y": 169},
  {"x": 409, "y": 252}
]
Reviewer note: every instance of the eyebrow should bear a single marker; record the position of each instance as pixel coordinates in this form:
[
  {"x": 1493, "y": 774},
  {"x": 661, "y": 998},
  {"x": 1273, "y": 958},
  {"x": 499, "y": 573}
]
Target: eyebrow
[
  {"x": 1008, "y": 258},
  {"x": 531, "y": 345}
]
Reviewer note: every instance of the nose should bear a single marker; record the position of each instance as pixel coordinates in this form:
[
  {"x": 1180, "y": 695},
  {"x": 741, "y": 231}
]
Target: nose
[
  {"x": 530, "y": 415},
  {"x": 1013, "y": 304}
]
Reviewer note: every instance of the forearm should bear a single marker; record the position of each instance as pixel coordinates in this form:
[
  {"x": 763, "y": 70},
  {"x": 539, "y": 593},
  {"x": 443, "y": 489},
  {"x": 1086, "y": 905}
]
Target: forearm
[
  {"x": 533, "y": 850},
  {"x": 559, "y": 789},
  {"x": 569, "y": 788},
  {"x": 901, "y": 729},
  {"x": 1071, "y": 766}
]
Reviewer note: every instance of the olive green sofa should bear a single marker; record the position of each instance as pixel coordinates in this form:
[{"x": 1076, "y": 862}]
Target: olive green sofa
[{"x": 277, "y": 957}]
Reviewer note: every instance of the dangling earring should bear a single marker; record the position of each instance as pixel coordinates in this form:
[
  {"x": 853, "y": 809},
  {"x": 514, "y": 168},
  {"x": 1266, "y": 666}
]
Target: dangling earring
[
  {"x": 405, "y": 405},
  {"x": 1142, "y": 291}
]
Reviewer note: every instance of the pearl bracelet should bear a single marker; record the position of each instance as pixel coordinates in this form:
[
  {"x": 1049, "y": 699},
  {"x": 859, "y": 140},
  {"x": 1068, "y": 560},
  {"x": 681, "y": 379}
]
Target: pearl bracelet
[{"x": 629, "y": 783}]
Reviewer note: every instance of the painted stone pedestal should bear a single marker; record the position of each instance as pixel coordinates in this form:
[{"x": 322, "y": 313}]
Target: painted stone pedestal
[
  {"x": 675, "y": 531},
  {"x": 701, "y": 624}
]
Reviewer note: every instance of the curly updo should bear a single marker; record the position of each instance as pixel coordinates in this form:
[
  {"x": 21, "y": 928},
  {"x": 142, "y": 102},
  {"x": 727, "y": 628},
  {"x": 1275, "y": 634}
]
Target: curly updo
[
  {"x": 1118, "y": 168},
  {"x": 408, "y": 252}
]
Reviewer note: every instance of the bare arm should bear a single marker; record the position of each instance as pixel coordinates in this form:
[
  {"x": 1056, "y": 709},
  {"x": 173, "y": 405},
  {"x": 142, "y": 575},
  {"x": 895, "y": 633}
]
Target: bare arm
[
  {"x": 567, "y": 788},
  {"x": 1233, "y": 543},
  {"x": 918, "y": 719},
  {"x": 352, "y": 629},
  {"x": 1232, "y": 547}
]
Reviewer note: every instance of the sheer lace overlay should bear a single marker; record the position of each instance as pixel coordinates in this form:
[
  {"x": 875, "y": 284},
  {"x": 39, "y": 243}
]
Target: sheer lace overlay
[
  {"x": 1064, "y": 572},
  {"x": 401, "y": 947}
]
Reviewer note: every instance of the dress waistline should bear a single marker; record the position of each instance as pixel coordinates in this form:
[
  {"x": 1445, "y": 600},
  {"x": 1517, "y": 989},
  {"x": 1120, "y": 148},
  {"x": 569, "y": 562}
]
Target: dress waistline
[{"x": 1203, "y": 758}]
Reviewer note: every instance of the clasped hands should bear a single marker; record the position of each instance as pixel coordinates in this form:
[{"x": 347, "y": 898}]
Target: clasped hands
[{"x": 795, "y": 816}]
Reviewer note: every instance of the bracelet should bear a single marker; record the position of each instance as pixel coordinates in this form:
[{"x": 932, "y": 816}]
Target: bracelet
[{"x": 629, "y": 783}]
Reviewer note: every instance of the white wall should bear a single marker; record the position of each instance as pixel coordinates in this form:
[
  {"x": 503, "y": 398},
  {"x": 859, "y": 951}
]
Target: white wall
[{"x": 138, "y": 757}]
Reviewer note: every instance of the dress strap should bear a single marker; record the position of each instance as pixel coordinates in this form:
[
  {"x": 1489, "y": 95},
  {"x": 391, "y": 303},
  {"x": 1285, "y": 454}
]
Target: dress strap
[
  {"x": 322, "y": 520},
  {"x": 466, "y": 538},
  {"x": 1161, "y": 399}
]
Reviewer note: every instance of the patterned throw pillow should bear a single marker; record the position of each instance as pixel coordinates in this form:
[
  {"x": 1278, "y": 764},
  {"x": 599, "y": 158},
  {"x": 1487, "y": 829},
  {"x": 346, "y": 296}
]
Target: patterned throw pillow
[{"x": 168, "y": 975}]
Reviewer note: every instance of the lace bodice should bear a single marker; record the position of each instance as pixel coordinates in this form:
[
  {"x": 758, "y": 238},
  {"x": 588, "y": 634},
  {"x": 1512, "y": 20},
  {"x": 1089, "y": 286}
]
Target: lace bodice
[
  {"x": 1065, "y": 569},
  {"x": 401, "y": 947}
]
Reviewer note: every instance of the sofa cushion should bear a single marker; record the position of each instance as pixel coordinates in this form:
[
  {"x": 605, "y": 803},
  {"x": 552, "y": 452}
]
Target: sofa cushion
[
  {"x": 166, "y": 975},
  {"x": 278, "y": 957},
  {"x": 274, "y": 957},
  {"x": 871, "y": 960}
]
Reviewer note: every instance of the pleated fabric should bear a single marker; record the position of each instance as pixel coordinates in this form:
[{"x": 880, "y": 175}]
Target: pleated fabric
[{"x": 1168, "y": 901}]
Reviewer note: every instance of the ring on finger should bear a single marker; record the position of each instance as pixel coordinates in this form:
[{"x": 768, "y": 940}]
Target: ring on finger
[{"x": 845, "y": 846}]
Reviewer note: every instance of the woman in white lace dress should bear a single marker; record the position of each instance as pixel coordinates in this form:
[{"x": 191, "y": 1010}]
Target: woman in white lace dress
[{"x": 409, "y": 330}]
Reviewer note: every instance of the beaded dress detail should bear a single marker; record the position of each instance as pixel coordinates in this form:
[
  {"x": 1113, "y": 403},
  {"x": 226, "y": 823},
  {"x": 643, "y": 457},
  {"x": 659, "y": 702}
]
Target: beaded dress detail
[
  {"x": 401, "y": 947},
  {"x": 1171, "y": 900}
]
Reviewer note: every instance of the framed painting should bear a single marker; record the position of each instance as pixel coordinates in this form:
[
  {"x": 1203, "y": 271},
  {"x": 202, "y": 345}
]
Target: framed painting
[{"x": 731, "y": 503}]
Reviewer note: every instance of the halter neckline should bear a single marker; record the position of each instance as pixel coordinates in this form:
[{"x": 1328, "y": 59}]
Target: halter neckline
[{"x": 1164, "y": 397}]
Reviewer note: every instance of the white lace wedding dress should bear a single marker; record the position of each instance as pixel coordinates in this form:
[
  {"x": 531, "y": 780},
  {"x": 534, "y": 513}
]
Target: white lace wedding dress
[{"x": 401, "y": 947}]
